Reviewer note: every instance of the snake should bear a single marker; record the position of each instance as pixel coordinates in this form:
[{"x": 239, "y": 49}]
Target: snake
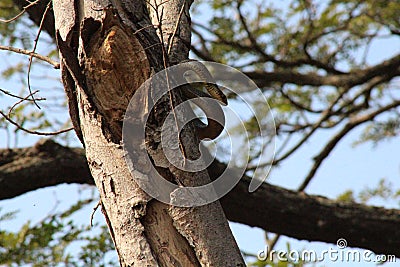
[{"x": 212, "y": 129}]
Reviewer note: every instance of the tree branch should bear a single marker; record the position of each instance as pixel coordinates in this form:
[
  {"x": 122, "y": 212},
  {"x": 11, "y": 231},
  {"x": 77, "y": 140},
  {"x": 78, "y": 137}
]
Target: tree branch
[
  {"x": 45, "y": 164},
  {"x": 390, "y": 67},
  {"x": 55, "y": 64},
  {"x": 354, "y": 122},
  {"x": 271, "y": 208},
  {"x": 36, "y": 13}
]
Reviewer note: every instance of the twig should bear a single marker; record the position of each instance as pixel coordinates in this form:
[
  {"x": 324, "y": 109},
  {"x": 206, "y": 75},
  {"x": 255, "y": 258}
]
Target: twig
[
  {"x": 176, "y": 27},
  {"x": 55, "y": 64},
  {"x": 33, "y": 132},
  {"x": 298, "y": 105},
  {"x": 93, "y": 212},
  {"x": 34, "y": 49},
  {"x": 22, "y": 99},
  {"x": 155, "y": 8},
  {"x": 204, "y": 53},
  {"x": 272, "y": 243},
  {"x": 144, "y": 28},
  {"x": 153, "y": 45},
  {"x": 265, "y": 57},
  {"x": 324, "y": 116},
  {"x": 165, "y": 63},
  {"x": 16, "y": 96},
  {"x": 19, "y": 14},
  {"x": 333, "y": 142}
]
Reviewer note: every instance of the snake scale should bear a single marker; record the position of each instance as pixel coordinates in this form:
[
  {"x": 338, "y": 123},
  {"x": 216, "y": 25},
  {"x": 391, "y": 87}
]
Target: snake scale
[{"x": 212, "y": 129}]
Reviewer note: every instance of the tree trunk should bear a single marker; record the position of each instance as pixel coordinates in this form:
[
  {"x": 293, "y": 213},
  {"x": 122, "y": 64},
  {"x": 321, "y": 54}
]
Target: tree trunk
[{"x": 108, "y": 50}]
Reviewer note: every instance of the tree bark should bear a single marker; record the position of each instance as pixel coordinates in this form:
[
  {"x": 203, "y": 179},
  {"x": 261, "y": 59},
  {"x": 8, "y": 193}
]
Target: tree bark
[{"x": 107, "y": 51}]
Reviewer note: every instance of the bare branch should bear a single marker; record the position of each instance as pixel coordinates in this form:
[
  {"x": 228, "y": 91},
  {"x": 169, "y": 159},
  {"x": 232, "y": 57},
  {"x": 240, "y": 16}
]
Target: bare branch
[
  {"x": 324, "y": 116},
  {"x": 335, "y": 139},
  {"x": 33, "y": 132},
  {"x": 21, "y": 13},
  {"x": 26, "y": 98},
  {"x": 265, "y": 57},
  {"x": 36, "y": 13},
  {"x": 171, "y": 43},
  {"x": 298, "y": 105},
  {"x": 34, "y": 49},
  {"x": 356, "y": 77},
  {"x": 18, "y": 97},
  {"x": 55, "y": 64}
]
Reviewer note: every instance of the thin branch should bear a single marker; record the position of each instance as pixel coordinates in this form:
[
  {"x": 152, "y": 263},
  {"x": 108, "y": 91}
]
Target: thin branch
[
  {"x": 333, "y": 142},
  {"x": 166, "y": 64},
  {"x": 34, "y": 49},
  {"x": 339, "y": 28},
  {"x": 364, "y": 91},
  {"x": 145, "y": 28},
  {"x": 325, "y": 115},
  {"x": 19, "y": 14},
  {"x": 33, "y": 132},
  {"x": 176, "y": 28},
  {"x": 22, "y": 100},
  {"x": 254, "y": 44},
  {"x": 298, "y": 105},
  {"x": 93, "y": 212},
  {"x": 204, "y": 53},
  {"x": 55, "y": 64},
  {"x": 346, "y": 109},
  {"x": 284, "y": 144},
  {"x": 18, "y": 97},
  {"x": 353, "y": 78},
  {"x": 267, "y": 57},
  {"x": 151, "y": 46}
]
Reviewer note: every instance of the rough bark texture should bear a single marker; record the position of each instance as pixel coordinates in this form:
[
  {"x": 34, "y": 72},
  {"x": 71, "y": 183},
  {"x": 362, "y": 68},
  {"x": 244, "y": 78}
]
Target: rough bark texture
[
  {"x": 107, "y": 53},
  {"x": 271, "y": 208},
  {"x": 45, "y": 164},
  {"x": 205, "y": 227}
]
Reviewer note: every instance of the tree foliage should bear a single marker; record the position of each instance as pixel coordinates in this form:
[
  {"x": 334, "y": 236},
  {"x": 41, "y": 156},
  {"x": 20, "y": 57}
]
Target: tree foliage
[{"x": 49, "y": 242}]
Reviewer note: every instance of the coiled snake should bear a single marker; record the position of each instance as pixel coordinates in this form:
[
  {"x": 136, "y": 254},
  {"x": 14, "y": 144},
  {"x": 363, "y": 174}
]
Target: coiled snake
[{"x": 212, "y": 109}]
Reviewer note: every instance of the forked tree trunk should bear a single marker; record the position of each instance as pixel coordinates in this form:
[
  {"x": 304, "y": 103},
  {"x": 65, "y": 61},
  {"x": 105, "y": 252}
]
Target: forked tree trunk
[{"x": 108, "y": 50}]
